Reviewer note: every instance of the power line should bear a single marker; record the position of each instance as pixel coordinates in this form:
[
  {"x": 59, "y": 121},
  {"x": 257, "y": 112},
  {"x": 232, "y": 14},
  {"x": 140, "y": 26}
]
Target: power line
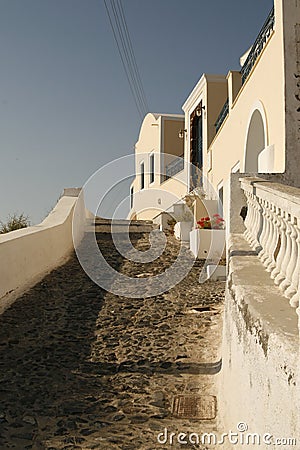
[
  {"x": 126, "y": 53},
  {"x": 121, "y": 35},
  {"x": 123, "y": 62},
  {"x": 127, "y": 35}
]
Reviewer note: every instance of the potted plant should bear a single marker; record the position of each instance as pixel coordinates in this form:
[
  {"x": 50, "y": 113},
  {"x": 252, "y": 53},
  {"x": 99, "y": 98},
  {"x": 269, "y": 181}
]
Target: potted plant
[
  {"x": 214, "y": 223},
  {"x": 208, "y": 239}
]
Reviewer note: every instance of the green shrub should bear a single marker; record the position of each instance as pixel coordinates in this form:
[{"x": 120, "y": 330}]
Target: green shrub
[{"x": 14, "y": 222}]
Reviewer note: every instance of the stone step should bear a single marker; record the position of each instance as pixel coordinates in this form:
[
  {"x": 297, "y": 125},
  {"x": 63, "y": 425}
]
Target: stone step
[
  {"x": 104, "y": 221},
  {"x": 102, "y": 225},
  {"x": 120, "y": 229}
]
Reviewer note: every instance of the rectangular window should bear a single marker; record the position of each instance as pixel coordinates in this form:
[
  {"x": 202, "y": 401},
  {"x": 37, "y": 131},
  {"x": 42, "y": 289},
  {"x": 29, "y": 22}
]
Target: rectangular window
[
  {"x": 152, "y": 168},
  {"x": 142, "y": 175},
  {"x": 131, "y": 197}
]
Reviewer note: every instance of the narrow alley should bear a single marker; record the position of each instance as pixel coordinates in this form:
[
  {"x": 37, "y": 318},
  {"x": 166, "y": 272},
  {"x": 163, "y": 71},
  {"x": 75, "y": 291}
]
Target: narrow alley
[{"x": 82, "y": 368}]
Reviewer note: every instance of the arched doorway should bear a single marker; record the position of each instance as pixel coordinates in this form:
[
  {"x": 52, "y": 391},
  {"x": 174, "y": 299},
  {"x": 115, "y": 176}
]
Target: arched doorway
[{"x": 256, "y": 140}]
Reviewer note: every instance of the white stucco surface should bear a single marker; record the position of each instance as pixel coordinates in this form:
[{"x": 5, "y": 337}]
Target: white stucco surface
[
  {"x": 259, "y": 383},
  {"x": 26, "y": 255}
]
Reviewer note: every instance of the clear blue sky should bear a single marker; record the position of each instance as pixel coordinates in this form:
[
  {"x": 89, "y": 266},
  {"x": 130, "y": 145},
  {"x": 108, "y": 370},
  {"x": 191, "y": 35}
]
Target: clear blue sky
[{"x": 65, "y": 105}]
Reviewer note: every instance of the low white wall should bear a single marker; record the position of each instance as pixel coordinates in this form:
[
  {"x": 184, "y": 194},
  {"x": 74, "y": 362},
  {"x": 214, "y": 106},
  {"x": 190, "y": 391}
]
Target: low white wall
[
  {"x": 260, "y": 374},
  {"x": 26, "y": 255}
]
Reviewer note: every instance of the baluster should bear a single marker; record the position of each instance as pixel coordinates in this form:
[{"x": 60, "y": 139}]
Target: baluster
[
  {"x": 252, "y": 229},
  {"x": 275, "y": 226},
  {"x": 270, "y": 238},
  {"x": 248, "y": 217},
  {"x": 293, "y": 291},
  {"x": 282, "y": 275},
  {"x": 251, "y": 219},
  {"x": 298, "y": 313},
  {"x": 264, "y": 234},
  {"x": 258, "y": 220},
  {"x": 281, "y": 253},
  {"x": 293, "y": 257},
  {"x": 255, "y": 222}
]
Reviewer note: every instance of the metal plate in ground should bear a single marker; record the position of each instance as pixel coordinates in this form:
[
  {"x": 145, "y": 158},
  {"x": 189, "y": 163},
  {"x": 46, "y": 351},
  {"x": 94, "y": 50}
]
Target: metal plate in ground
[{"x": 202, "y": 407}]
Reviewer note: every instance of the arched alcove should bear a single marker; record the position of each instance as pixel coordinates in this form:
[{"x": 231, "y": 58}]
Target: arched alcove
[{"x": 255, "y": 142}]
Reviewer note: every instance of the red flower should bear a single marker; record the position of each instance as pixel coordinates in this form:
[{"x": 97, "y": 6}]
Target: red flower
[{"x": 216, "y": 222}]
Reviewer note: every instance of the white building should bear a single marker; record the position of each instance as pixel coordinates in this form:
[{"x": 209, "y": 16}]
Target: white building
[{"x": 161, "y": 176}]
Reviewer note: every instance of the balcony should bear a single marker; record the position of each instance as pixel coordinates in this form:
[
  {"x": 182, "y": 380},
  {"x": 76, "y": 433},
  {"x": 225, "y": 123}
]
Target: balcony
[
  {"x": 174, "y": 167},
  {"x": 222, "y": 116},
  {"x": 258, "y": 45}
]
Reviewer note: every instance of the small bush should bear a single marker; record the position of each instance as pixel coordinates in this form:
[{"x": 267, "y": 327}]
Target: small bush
[{"x": 14, "y": 222}]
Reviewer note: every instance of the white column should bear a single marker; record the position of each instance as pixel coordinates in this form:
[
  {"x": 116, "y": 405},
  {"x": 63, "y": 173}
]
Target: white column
[
  {"x": 255, "y": 221},
  {"x": 265, "y": 226},
  {"x": 287, "y": 254},
  {"x": 249, "y": 217},
  {"x": 293, "y": 257},
  {"x": 281, "y": 253},
  {"x": 271, "y": 263},
  {"x": 293, "y": 291}
]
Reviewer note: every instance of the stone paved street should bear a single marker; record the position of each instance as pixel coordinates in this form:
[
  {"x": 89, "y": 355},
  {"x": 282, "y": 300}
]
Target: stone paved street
[{"x": 85, "y": 369}]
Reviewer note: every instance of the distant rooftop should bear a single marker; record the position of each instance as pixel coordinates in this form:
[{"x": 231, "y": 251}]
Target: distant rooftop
[{"x": 157, "y": 115}]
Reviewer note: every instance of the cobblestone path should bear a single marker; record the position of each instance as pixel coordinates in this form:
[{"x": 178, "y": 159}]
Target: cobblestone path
[{"x": 84, "y": 369}]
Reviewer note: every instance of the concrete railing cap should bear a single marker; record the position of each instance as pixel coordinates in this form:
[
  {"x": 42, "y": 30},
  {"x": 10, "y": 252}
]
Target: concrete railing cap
[{"x": 71, "y": 192}]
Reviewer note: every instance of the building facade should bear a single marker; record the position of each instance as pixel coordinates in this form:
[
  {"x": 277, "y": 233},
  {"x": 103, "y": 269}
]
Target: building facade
[
  {"x": 161, "y": 177},
  {"x": 250, "y": 117}
]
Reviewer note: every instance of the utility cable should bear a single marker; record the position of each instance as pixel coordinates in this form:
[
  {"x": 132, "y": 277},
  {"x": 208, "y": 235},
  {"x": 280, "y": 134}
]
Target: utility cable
[
  {"x": 135, "y": 66},
  {"x": 125, "y": 49}
]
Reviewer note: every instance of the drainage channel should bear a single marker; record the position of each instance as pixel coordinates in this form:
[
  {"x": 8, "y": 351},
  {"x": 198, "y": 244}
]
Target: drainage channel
[{"x": 202, "y": 407}]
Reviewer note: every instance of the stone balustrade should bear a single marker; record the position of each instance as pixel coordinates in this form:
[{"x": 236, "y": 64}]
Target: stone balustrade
[{"x": 273, "y": 229}]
